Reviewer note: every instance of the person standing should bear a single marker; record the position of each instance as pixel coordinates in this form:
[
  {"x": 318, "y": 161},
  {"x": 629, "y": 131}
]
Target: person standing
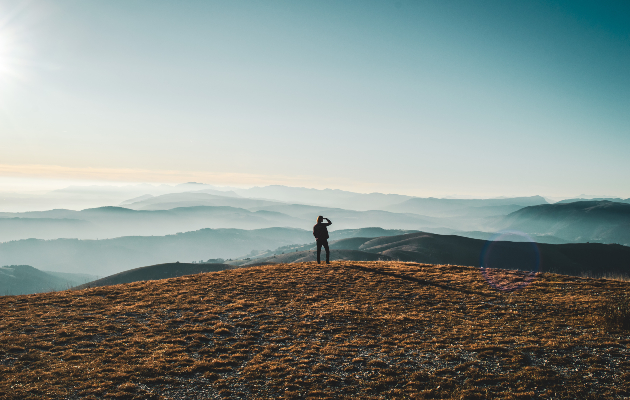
[{"x": 320, "y": 231}]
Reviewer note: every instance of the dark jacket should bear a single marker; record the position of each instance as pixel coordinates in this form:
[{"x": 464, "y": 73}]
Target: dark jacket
[{"x": 320, "y": 230}]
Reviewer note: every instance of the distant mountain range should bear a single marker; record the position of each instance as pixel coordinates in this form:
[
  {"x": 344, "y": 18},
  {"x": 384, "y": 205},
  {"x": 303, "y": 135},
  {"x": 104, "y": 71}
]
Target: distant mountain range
[
  {"x": 592, "y": 259},
  {"x": 614, "y": 199},
  {"x": 112, "y": 222},
  {"x": 333, "y": 198},
  {"x": 465, "y": 207},
  {"x": 190, "y": 211},
  {"x": 24, "y": 279},
  {"x": 193, "y": 199},
  {"x": 110, "y": 256},
  {"x": 581, "y": 221},
  {"x": 199, "y": 222}
]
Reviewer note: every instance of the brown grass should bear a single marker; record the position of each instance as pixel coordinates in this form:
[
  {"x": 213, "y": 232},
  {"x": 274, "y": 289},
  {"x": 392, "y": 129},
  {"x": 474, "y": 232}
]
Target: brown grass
[{"x": 353, "y": 329}]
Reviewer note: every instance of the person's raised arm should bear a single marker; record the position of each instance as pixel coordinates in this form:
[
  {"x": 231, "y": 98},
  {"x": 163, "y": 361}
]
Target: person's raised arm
[{"x": 329, "y": 223}]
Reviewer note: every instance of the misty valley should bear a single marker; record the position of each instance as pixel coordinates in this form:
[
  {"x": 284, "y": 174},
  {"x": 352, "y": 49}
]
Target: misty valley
[{"x": 61, "y": 248}]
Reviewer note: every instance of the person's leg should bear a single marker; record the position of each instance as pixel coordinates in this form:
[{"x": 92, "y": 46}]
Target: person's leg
[
  {"x": 319, "y": 250},
  {"x": 327, "y": 251}
]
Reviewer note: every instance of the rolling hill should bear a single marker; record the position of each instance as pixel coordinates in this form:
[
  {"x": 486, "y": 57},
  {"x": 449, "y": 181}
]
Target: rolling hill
[
  {"x": 371, "y": 330},
  {"x": 592, "y": 259},
  {"x": 154, "y": 272},
  {"x": 581, "y": 221},
  {"x": 311, "y": 255},
  {"x": 24, "y": 279}
]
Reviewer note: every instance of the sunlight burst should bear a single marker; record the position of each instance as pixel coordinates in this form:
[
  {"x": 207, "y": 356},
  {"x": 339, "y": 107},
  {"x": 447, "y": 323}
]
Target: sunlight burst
[{"x": 12, "y": 53}]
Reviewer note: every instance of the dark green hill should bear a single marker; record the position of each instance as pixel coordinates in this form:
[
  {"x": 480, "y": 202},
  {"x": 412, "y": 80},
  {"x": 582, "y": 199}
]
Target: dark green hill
[
  {"x": 154, "y": 272},
  {"x": 24, "y": 279},
  {"x": 593, "y": 259}
]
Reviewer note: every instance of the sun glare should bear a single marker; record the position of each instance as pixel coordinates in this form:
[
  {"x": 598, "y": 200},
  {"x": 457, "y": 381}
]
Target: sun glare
[
  {"x": 5, "y": 55},
  {"x": 12, "y": 53}
]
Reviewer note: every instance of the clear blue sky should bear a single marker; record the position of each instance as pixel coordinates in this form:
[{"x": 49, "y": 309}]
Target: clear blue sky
[{"x": 430, "y": 98}]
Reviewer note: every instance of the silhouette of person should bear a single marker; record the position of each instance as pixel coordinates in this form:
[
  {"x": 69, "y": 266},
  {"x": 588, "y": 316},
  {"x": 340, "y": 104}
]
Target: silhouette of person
[{"x": 320, "y": 231}]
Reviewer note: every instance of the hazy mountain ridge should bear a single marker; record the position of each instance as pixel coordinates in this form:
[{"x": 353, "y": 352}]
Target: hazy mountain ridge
[
  {"x": 109, "y": 256},
  {"x": 112, "y": 222},
  {"x": 436, "y": 207},
  {"x": 90, "y": 196},
  {"x": 189, "y": 199},
  {"x": 194, "y": 206},
  {"x": 334, "y": 198},
  {"x": 614, "y": 199},
  {"x": 76, "y": 254},
  {"x": 582, "y": 221}
]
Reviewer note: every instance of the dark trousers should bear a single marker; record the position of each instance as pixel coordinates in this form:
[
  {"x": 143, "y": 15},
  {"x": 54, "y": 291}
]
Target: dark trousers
[{"x": 320, "y": 243}]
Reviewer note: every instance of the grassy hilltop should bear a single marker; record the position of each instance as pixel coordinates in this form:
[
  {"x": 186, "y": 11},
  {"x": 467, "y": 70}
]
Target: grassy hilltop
[{"x": 353, "y": 329}]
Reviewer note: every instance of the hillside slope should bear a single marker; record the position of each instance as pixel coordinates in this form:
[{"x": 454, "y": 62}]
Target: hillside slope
[
  {"x": 154, "y": 272},
  {"x": 581, "y": 221},
  {"x": 380, "y": 330},
  {"x": 24, "y": 279},
  {"x": 594, "y": 259}
]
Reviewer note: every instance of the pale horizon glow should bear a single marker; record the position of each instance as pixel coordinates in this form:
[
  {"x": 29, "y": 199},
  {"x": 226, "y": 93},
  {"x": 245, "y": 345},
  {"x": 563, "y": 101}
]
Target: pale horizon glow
[
  {"x": 38, "y": 185},
  {"x": 430, "y": 99}
]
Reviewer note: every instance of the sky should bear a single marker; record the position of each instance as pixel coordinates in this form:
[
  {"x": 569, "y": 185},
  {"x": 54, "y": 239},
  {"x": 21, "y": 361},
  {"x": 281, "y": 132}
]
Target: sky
[{"x": 426, "y": 98}]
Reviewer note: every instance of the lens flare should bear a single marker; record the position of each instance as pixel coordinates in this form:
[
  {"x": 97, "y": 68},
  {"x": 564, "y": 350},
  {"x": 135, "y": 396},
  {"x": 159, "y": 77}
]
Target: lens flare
[{"x": 510, "y": 261}]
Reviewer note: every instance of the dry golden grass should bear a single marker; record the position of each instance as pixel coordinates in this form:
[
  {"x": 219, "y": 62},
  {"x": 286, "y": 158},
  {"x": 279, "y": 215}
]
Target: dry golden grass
[{"x": 353, "y": 329}]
